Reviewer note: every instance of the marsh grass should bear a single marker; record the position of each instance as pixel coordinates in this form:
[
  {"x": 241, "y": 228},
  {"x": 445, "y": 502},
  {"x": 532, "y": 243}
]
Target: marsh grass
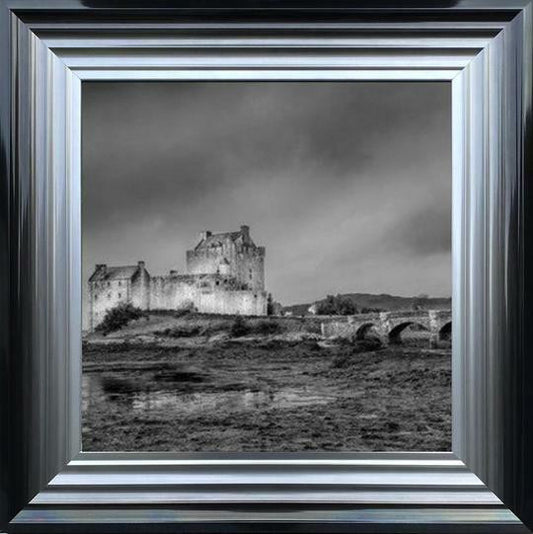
[{"x": 391, "y": 398}]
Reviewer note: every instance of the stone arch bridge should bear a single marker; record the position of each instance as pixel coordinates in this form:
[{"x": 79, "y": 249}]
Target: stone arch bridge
[{"x": 388, "y": 326}]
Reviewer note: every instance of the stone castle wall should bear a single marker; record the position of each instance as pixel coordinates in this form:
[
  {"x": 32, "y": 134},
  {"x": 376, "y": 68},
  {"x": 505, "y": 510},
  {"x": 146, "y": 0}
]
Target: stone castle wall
[
  {"x": 172, "y": 293},
  {"x": 206, "y": 294},
  {"x": 233, "y": 302}
]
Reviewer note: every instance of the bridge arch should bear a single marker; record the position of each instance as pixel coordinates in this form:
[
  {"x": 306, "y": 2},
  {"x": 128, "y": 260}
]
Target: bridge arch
[
  {"x": 445, "y": 332},
  {"x": 395, "y": 334},
  {"x": 364, "y": 329}
]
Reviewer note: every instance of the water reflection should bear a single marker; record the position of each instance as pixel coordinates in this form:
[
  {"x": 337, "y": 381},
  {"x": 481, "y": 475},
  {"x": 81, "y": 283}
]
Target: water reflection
[{"x": 187, "y": 403}]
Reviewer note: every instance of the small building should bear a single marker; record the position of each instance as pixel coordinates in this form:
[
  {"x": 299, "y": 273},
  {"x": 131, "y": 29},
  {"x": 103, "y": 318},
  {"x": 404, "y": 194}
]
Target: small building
[
  {"x": 225, "y": 275},
  {"x": 313, "y": 309},
  {"x": 111, "y": 286}
]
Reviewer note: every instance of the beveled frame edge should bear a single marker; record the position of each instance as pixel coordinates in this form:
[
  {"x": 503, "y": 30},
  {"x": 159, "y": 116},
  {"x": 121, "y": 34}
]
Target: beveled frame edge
[{"x": 498, "y": 439}]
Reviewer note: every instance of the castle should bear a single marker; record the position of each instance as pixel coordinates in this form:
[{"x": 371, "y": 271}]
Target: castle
[{"x": 225, "y": 275}]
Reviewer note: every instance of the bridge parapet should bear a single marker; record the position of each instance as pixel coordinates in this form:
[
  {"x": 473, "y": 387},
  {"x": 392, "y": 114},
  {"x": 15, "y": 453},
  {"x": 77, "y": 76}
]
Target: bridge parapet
[
  {"x": 405, "y": 314},
  {"x": 373, "y": 316}
]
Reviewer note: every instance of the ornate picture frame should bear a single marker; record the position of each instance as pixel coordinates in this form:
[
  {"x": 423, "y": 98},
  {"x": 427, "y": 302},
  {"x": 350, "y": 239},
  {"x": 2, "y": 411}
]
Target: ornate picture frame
[{"x": 483, "y": 48}]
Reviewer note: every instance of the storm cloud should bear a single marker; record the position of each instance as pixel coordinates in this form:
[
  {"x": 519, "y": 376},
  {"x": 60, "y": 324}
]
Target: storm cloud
[{"x": 348, "y": 185}]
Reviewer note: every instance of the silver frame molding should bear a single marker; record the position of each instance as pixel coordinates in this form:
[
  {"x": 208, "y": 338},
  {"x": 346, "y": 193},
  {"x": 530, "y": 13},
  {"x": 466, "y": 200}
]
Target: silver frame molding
[{"x": 483, "y": 48}]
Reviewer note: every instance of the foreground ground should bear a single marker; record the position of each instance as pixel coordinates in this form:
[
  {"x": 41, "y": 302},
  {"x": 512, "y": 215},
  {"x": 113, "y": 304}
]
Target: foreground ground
[{"x": 192, "y": 385}]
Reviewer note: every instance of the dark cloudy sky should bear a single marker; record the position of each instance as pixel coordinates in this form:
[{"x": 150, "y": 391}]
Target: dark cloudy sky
[{"x": 348, "y": 185}]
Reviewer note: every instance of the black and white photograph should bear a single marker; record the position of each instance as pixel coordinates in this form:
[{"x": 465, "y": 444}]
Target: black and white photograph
[{"x": 266, "y": 266}]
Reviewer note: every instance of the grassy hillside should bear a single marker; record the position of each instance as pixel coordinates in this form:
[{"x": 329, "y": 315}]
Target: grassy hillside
[{"x": 169, "y": 326}]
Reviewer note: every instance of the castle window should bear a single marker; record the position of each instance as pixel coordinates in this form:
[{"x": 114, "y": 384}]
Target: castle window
[
  {"x": 108, "y": 284},
  {"x": 109, "y": 295},
  {"x": 217, "y": 282},
  {"x": 96, "y": 297},
  {"x": 119, "y": 283},
  {"x": 119, "y": 295}
]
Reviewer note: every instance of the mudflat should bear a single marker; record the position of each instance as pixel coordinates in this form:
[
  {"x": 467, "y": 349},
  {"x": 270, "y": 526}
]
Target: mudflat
[{"x": 189, "y": 387}]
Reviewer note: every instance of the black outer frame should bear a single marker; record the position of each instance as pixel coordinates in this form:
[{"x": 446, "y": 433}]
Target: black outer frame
[{"x": 515, "y": 487}]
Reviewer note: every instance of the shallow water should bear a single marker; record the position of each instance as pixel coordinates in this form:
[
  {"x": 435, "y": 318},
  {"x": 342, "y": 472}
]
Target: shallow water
[
  {"x": 190, "y": 403},
  {"x": 290, "y": 399}
]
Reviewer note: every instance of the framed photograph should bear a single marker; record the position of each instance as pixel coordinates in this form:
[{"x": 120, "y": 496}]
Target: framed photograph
[
  {"x": 266, "y": 267},
  {"x": 236, "y": 346}
]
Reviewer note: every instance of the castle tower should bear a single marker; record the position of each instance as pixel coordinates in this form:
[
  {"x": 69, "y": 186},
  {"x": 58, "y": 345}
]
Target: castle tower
[{"x": 231, "y": 254}]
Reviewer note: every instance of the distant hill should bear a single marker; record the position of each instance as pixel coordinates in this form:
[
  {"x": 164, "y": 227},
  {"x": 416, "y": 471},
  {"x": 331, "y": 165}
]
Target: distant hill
[{"x": 381, "y": 302}]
